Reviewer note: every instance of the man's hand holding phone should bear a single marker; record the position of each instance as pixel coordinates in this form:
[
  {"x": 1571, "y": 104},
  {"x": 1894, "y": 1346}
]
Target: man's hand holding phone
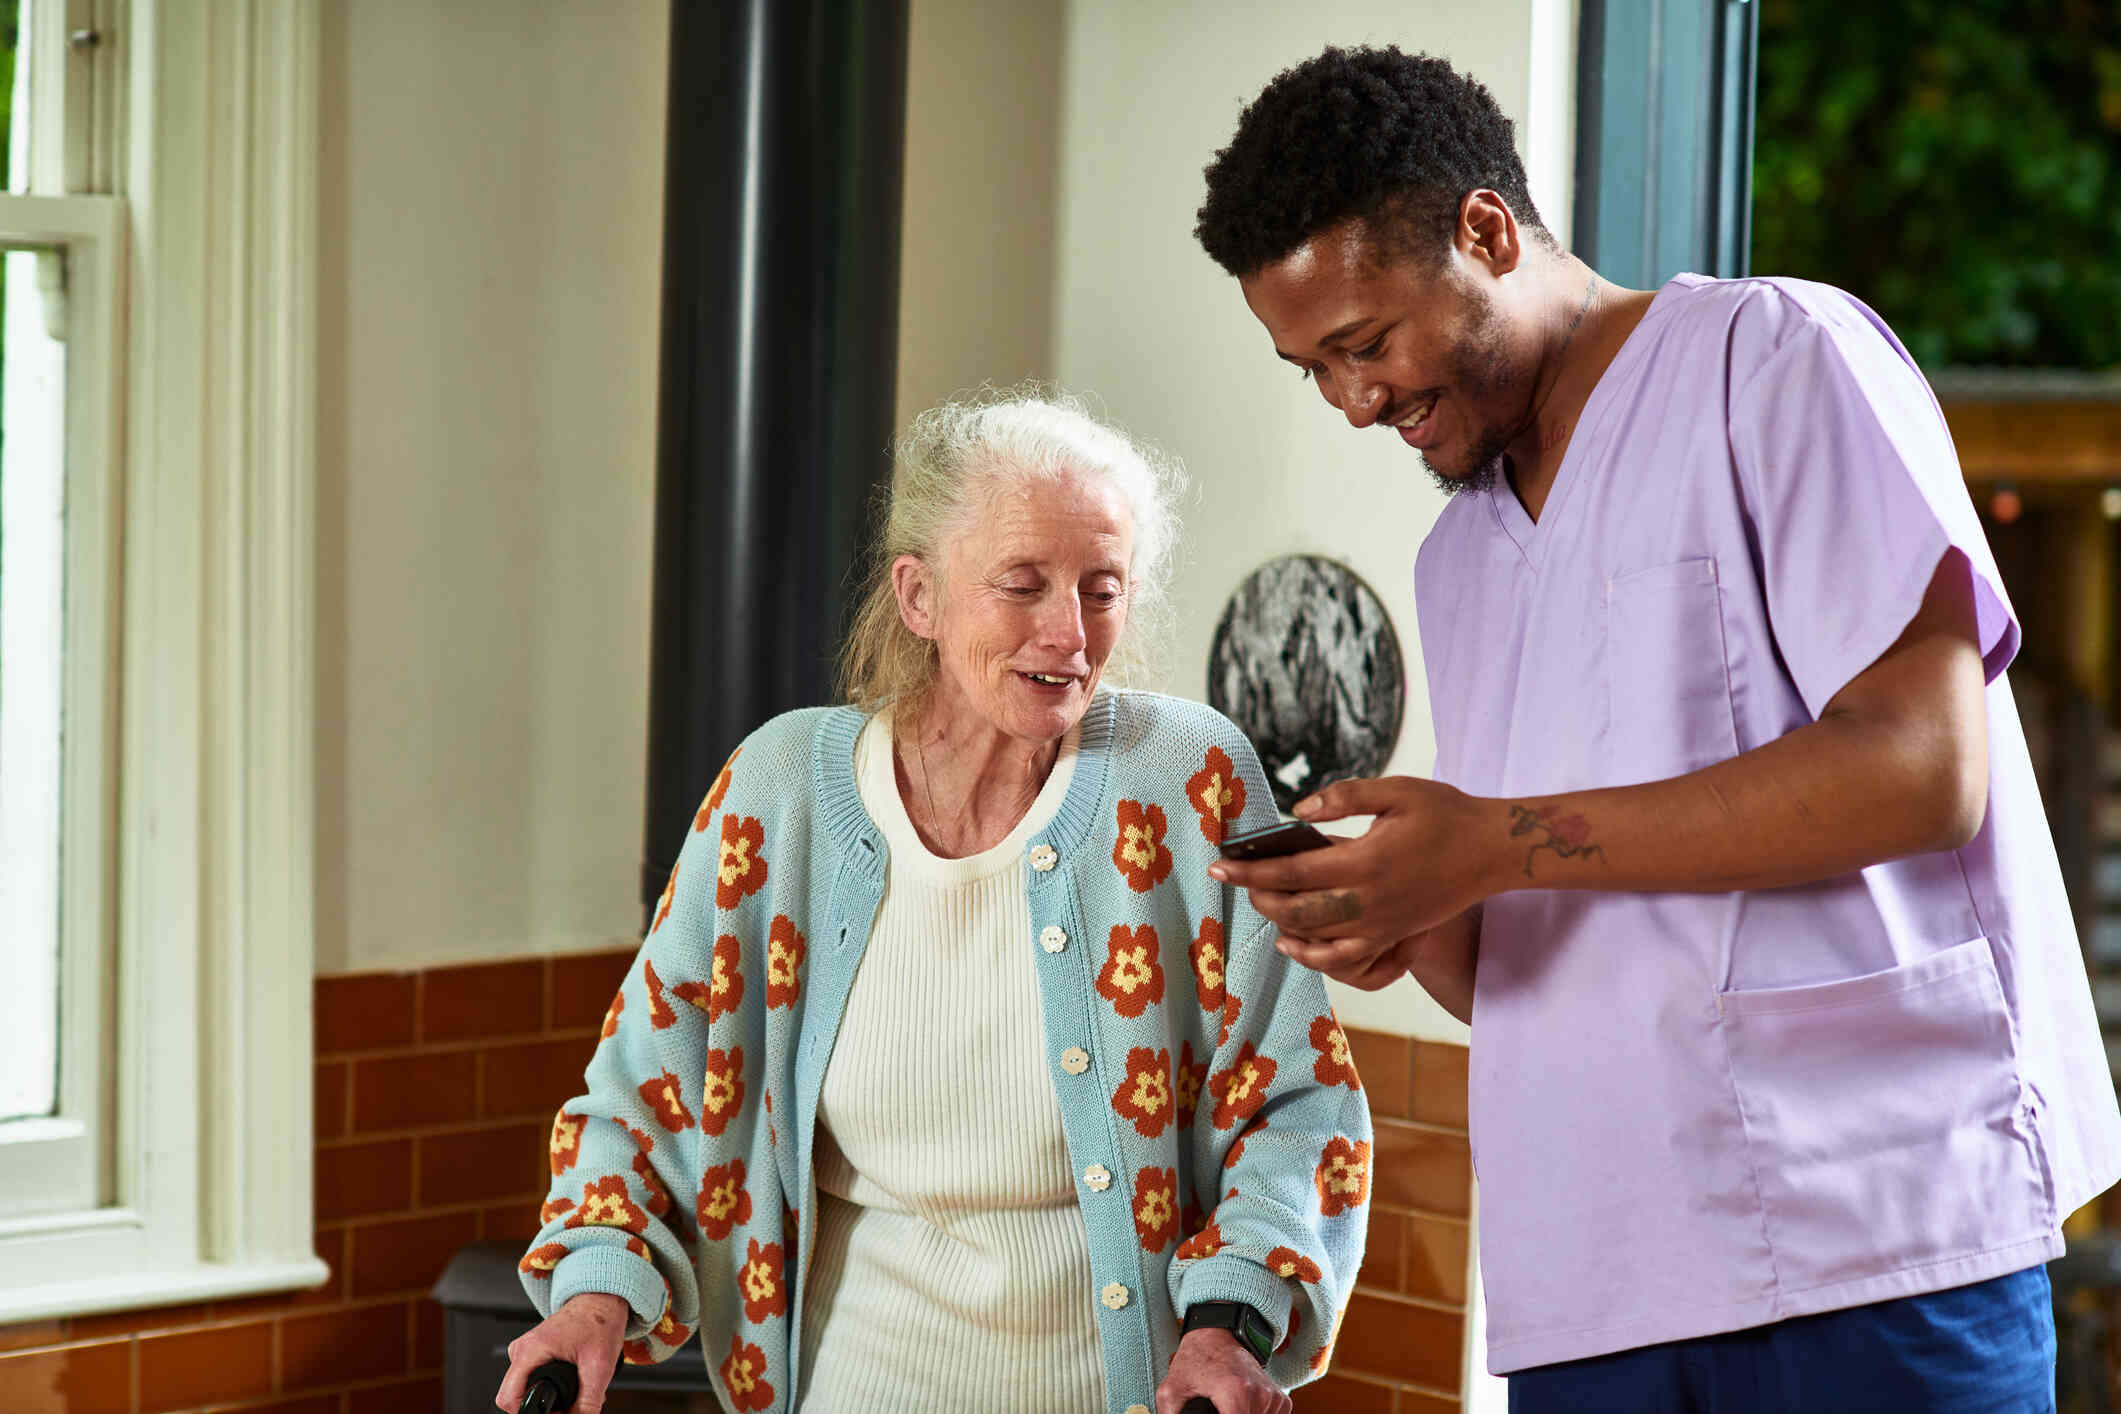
[{"x": 1355, "y": 909}]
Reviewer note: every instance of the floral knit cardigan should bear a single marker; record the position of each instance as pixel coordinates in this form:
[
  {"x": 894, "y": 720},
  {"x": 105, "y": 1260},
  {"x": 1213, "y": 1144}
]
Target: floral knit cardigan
[{"x": 1212, "y": 1114}]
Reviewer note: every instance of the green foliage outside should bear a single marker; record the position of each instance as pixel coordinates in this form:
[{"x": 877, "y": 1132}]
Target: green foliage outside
[{"x": 1955, "y": 163}]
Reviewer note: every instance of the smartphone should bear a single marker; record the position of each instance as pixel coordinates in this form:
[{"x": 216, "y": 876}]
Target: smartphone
[{"x": 1288, "y": 837}]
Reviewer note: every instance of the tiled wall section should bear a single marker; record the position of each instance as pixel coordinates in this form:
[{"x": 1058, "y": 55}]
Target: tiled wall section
[
  {"x": 1401, "y": 1340},
  {"x": 434, "y": 1092}
]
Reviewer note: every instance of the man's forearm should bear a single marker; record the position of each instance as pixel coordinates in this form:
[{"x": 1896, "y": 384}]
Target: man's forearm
[{"x": 1827, "y": 799}]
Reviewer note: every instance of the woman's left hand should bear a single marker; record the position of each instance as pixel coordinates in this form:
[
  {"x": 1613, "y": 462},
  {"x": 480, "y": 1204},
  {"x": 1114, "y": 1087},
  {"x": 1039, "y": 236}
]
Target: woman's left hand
[{"x": 1211, "y": 1363}]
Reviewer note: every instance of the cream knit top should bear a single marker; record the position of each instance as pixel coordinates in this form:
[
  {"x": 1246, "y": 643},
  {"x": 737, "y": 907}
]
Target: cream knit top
[{"x": 952, "y": 1269}]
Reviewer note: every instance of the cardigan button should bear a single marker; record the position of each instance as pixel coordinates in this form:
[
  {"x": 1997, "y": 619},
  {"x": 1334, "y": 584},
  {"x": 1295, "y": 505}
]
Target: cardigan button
[
  {"x": 1114, "y": 1296},
  {"x": 1075, "y": 1060},
  {"x": 1137, "y": 1409},
  {"x": 1043, "y": 858},
  {"x": 1097, "y": 1178},
  {"x": 1052, "y": 938}
]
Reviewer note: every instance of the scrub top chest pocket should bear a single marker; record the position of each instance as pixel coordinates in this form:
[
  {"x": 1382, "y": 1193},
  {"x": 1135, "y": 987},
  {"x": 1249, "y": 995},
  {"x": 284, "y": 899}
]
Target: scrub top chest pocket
[{"x": 1668, "y": 693}]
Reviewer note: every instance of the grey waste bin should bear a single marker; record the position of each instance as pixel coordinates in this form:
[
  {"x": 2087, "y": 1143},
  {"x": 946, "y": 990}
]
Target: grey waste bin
[{"x": 484, "y": 1308}]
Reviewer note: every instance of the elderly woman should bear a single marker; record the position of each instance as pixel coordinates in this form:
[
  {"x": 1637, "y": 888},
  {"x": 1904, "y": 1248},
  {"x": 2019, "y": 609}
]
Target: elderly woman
[{"x": 946, "y": 1077}]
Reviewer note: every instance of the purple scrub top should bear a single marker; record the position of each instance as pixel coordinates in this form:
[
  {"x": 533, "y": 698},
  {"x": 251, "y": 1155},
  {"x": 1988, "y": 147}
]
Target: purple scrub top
[{"x": 1694, "y": 1113}]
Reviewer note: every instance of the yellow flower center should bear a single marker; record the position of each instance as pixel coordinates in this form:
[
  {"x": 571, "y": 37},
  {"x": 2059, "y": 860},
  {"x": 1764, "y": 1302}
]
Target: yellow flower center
[
  {"x": 736, "y": 859},
  {"x": 1130, "y": 969},
  {"x": 717, "y": 1092},
  {"x": 1150, "y": 1092},
  {"x": 758, "y": 1281},
  {"x": 1211, "y": 966},
  {"x": 722, "y": 1202},
  {"x": 1139, "y": 846}
]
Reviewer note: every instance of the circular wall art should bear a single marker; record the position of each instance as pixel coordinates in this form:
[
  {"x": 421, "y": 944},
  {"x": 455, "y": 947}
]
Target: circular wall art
[{"x": 1306, "y": 662}]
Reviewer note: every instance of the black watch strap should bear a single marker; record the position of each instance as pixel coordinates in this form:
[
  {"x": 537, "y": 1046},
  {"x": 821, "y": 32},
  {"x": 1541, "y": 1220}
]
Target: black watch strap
[{"x": 1240, "y": 1320}]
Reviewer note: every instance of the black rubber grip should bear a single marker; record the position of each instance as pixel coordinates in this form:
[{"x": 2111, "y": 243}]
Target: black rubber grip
[{"x": 553, "y": 1387}]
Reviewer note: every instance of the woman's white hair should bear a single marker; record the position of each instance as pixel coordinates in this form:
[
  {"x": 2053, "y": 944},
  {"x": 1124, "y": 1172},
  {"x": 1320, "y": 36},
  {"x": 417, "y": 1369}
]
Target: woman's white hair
[{"x": 945, "y": 471}]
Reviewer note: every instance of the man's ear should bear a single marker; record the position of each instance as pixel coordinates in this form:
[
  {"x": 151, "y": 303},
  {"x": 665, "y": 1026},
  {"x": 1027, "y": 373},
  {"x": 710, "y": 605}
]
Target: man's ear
[
  {"x": 915, "y": 586},
  {"x": 1487, "y": 232}
]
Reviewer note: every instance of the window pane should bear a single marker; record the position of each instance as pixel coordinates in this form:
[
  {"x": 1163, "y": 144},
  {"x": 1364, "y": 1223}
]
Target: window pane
[
  {"x": 32, "y": 625},
  {"x": 14, "y": 91}
]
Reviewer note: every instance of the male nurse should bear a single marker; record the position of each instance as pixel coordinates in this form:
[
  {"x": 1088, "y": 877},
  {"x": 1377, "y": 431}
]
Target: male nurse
[{"x": 1784, "y": 1065}]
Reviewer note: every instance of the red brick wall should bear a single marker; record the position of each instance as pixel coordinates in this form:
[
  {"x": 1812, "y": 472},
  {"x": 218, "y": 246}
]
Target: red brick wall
[
  {"x": 1400, "y": 1342},
  {"x": 434, "y": 1093}
]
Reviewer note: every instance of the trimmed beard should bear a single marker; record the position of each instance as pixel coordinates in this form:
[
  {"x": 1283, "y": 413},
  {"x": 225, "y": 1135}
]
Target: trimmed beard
[{"x": 1481, "y": 372}]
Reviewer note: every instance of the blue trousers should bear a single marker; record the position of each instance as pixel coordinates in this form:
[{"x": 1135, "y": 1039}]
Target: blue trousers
[{"x": 1988, "y": 1348}]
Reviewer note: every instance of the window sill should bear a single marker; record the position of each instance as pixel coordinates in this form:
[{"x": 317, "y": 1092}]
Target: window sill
[{"x": 172, "y": 1286}]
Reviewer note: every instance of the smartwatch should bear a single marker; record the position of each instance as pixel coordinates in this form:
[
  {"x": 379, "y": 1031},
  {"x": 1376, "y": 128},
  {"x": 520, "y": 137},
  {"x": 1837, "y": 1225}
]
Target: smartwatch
[{"x": 1240, "y": 1320}]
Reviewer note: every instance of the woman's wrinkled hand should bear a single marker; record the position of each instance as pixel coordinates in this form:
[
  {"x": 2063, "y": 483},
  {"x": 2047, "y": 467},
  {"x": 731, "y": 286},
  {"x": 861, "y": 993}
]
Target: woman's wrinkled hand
[
  {"x": 1211, "y": 1364},
  {"x": 587, "y": 1332}
]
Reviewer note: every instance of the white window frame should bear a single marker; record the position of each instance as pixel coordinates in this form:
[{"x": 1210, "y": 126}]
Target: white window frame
[
  {"x": 54, "y": 1163},
  {"x": 207, "y": 879}
]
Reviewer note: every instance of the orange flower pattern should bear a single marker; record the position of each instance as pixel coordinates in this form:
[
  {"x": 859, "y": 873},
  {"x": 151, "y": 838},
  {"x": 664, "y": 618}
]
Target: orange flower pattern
[
  {"x": 785, "y": 951},
  {"x": 554, "y": 1207},
  {"x": 1154, "y": 1095},
  {"x": 1343, "y": 1176},
  {"x": 720, "y": 788},
  {"x": 1209, "y": 965},
  {"x": 637, "y": 1352},
  {"x": 1205, "y": 1243},
  {"x": 1216, "y": 794},
  {"x": 1145, "y": 1095},
  {"x": 605, "y": 1203},
  {"x": 1242, "y": 1089},
  {"x": 666, "y": 1104},
  {"x": 1324, "y": 1356},
  {"x": 744, "y": 1376},
  {"x": 1190, "y": 1078},
  {"x": 1140, "y": 852},
  {"x": 1132, "y": 976},
  {"x": 722, "y": 1089},
  {"x": 670, "y": 889},
  {"x": 1296, "y": 1323},
  {"x": 723, "y": 991},
  {"x": 725, "y": 1203},
  {"x": 650, "y": 1179},
  {"x": 1290, "y": 1263},
  {"x": 1156, "y": 1208},
  {"x": 565, "y": 1147},
  {"x": 660, "y": 1016},
  {"x": 742, "y": 870},
  {"x": 1335, "y": 1064},
  {"x": 540, "y": 1261},
  {"x": 762, "y": 1282}
]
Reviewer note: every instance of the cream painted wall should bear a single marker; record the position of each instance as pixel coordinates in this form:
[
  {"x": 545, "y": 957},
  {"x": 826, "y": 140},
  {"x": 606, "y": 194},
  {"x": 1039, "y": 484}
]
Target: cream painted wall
[
  {"x": 491, "y": 242},
  {"x": 1148, "y": 322},
  {"x": 983, "y": 135}
]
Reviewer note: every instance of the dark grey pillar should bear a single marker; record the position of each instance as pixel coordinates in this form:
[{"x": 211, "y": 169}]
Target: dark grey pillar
[{"x": 780, "y": 332}]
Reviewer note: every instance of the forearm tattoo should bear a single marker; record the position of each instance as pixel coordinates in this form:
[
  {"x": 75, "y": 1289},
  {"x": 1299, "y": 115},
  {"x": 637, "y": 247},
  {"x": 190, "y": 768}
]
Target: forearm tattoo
[{"x": 1569, "y": 836}]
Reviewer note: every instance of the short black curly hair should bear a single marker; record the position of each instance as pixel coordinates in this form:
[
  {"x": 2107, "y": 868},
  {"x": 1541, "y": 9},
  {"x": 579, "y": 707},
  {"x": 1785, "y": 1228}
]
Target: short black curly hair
[{"x": 1393, "y": 138}]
